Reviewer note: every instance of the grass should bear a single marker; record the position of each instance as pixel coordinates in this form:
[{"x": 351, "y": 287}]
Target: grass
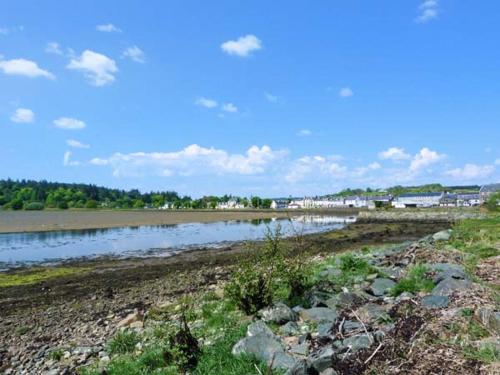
[
  {"x": 123, "y": 342},
  {"x": 487, "y": 353},
  {"x": 415, "y": 281},
  {"x": 38, "y": 275},
  {"x": 56, "y": 354}
]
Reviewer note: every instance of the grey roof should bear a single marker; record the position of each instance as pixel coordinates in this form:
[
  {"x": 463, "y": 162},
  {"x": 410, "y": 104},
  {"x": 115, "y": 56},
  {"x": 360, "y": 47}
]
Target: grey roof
[
  {"x": 468, "y": 196},
  {"x": 491, "y": 188},
  {"x": 414, "y": 195}
]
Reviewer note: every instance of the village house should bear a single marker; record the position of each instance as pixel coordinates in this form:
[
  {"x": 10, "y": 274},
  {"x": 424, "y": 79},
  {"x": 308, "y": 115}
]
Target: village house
[
  {"x": 279, "y": 204},
  {"x": 448, "y": 200},
  {"x": 231, "y": 204},
  {"x": 468, "y": 200},
  {"x": 417, "y": 200},
  {"x": 487, "y": 190}
]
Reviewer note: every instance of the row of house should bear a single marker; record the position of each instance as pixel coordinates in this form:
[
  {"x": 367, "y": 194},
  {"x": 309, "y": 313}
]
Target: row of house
[{"x": 427, "y": 199}]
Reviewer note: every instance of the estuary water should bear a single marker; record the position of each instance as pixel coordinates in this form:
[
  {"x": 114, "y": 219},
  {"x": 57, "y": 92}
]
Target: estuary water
[{"x": 17, "y": 249}]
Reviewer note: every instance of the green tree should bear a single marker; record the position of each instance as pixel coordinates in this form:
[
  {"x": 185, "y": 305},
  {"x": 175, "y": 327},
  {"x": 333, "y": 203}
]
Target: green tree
[
  {"x": 16, "y": 204},
  {"x": 266, "y": 203},
  {"x": 256, "y": 202},
  {"x": 493, "y": 202},
  {"x": 91, "y": 203}
]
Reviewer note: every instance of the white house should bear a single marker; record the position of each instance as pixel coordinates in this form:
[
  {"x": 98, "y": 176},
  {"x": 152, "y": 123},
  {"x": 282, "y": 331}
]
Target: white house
[
  {"x": 468, "y": 200},
  {"x": 231, "y": 204},
  {"x": 279, "y": 204},
  {"x": 417, "y": 200}
]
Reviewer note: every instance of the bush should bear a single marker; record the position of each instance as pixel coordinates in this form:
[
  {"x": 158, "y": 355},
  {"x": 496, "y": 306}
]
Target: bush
[
  {"x": 183, "y": 348},
  {"x": 415, "y": 281},
  {"x": 62, "y": 205},
  {"x": 16, "y": 204},
  {"x": 123, "y": 342},
  {"x": 493, "y": 202},
  {"x": 34, "y": 206},
  {"x": 92, "y": 204}
]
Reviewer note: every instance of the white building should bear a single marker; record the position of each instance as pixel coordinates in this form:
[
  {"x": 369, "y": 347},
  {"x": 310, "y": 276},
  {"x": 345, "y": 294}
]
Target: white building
[
  {"x": 468, "y": 200},
  {"x": 417, "y": 200},
  {"x": 231, "y": 204},
  {"x": 279, "y": 204}
]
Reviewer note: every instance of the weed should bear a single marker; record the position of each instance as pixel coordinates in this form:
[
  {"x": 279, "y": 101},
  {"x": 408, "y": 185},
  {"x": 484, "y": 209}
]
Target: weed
[
  {"x": 56, "y": 354},
  {"x": 415, "y": 281},
  {"x": 467, "y": 311},
  {"x": 123, "y": 342},
  {"x": 22, "y": 330},
  {"x": 488, "y": 353}
]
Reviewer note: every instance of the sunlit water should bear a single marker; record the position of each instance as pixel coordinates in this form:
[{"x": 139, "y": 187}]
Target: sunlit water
[{"x": 41, "y": 247}]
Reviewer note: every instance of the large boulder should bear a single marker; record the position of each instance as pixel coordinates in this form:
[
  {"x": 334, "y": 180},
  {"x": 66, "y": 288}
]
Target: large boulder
[
  {"x": 443, "y": 235},
  {"x": 322, "y": 359},
  {"x": 259, "y": 328},
  {"x": 278, "y": 313},
  {"x": 381, "y": 286},
  {"x": 447, "y": 271},
  {"x": 450, "y": 285},
  {"x": 290, "y": 329},
  {"x": 261, "y": 346},
  {"x": 319, "y": 314},
  {"x": 435, "y": 301}
]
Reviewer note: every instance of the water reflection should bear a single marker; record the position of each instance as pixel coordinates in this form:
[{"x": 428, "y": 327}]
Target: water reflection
[{"x": 161, "y": 240}]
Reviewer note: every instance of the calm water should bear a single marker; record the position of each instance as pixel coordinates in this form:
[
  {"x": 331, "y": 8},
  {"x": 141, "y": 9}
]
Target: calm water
[{"x": 39, "y": 247}]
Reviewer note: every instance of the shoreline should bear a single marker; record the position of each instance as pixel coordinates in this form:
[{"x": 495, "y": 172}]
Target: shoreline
[{"x": 47, "y": 221}]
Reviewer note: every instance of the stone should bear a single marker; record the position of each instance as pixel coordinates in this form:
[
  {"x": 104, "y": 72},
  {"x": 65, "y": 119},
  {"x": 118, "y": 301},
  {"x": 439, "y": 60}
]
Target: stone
[
  {"x": 319, "y": 314},
  {"x": 489, "y": 318},
  {"x": 259, "y": 327},
  {"x": 322, "y": 359},
  {"x": 279, "y": 313},
  {"x": 329, "y": 371},
  {"x": 381, "y": 286},
  {"x": 350, "y": 326},
  {"x": 344, "y": 300},
  {"x": 290, "y": 329},
  {"x": 435, "y": 302},
  {"x": 302, "y": 367},
  {"x": 282, "y": 360},
  {"x": 392, "y": 272},
  {"x": 324, "y": 330},
  {"x": 138, "y": 324},
  {"x": 450, "y": 285},
  {"x": 318, "y": 298},
  {"x": 371, "y": 312},
  {"x": 405, "y": 296},
  {"x": 129, "y": 319},
  {"x": 357, "y": 343},
  {"x": 443, "y": 235},
  {"x": 447, "y": 271},
  {"x": 300, "y": 349},
  {"x": 261, "y": 346}
]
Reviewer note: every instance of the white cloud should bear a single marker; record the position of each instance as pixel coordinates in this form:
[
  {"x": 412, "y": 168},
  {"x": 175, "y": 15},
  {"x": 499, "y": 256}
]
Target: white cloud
[
  {"x": 192, "y": 160},
  {"x": 54, "y": 47},
  {"x": 271, "y": 98},
  {"x": 23, "y": 67},
  {"x": 497, "y": 162},
  {"x": 471, "y": 171},
  {"x": 76, "y": 144},
  {"x": 67, "y": 160},
  {"x": 23, "y": 116},
  {"x": 315, "y": 167},
  {"x": 229, "y": 107},
  {"x": 346, "y": 92},
  {"x": 304, "y": 132},
  {"x": 4, "y": 31},
  {"x": 205, "y": 102},
  {"x": 424, "y": 158},
  {"x": 98, "y": 68},
  {"x": 394, "y": 153},
  {"x": 242, "y": 47},
  {"x": 69, "y": 123},
  {"x": 8, "y": 30},
  {"x": 361, "y": 171},
  {"x": 428, "y": 11},
  {"x": 108, "y": 28},
  {"x": 134, "y": 53}
]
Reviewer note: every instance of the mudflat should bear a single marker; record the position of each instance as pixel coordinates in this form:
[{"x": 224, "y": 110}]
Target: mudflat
[{"x": 40, "y": 221}]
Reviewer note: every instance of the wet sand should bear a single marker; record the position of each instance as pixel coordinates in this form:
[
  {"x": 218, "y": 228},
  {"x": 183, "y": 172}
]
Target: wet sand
[{"x": 41, "y": 221}]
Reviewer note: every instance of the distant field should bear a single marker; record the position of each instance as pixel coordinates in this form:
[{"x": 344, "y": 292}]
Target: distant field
[{"x": 31, "y": 221}]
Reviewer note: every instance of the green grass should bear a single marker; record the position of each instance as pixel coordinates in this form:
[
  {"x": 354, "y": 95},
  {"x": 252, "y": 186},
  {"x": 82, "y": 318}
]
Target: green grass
[
  {"x": 415, "y": 281},
  {"x": 123, "y": 342},
  {"x": 486, "y": 354},
  {"x": 56, "y": 354},
  {"x": 38, "y": 275}
]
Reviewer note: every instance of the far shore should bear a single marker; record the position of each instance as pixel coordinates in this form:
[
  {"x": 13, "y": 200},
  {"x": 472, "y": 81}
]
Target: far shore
[{"x": 44, "y": 221}]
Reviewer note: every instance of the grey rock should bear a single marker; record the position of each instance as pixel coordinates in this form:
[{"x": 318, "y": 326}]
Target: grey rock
[
  {"x": 379, "y": 335},
  {"x": 435, "y": 301},
  {"x": 371, "y": 312},
  {"x": 318, "y": 298},
  {"x": 324, "y": 330},
  {"x": 392, "y": 272},
  {"x": 290, "y": 329},
  {"x": 319, "y": 314},
  {"x": 443, "y": 235},
  {"x": 450, "y": 285},
  {"x": 489, "y": 318},
  {"x": 356, "y": 343},
  {"x": 405, "y": 296},
  {"x": 350, "y": 326},
  {"x": 322, "y": 359},
  {"x": 282, "y": 360},
  {"x": 261, "y": 346},
  {"x": 447, "y": 271},
  {"x": 279, "y": 313},
  {"x": 259, "y": 328},
  {"x": 381, "y": 286},
  {"x": 344, "y": 300},
  {"x": 302, "y": 367},
  {"x": 300, "y": 349},
  {"x": 329, "y": 371}
]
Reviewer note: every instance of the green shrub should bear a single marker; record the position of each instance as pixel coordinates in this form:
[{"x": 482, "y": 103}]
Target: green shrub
[
  {"x": 415, "y": 281},
  {"x": 123, "y": 342},
  {"x": 16, "y": 204},
  {"x": 183, "y": 349},
  {"x": 62, "y": 205},
  {"x": 91, "y": 204},
  {"x": 488, "y": 353},
  {"x": 493, "y": 202},
  {"x": 34, "y": 206},
  {"x": 56, "y": 354}
]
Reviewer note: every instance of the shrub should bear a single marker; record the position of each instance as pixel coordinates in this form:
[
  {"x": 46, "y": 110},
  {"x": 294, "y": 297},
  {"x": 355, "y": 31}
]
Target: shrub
[
  {"x": 415, "y": 281},
  {"x": 91, "y": 204},
  {"x": 16, "y": 204},
  {"x": 493, "y": 202},
  {"x": 34, "y": 206},
  {"x": 183, "y": 348},
  {"x": 56, "y": 354},
  {"x": 123, "y": 342},
  {"x": 62, "y": 205}
]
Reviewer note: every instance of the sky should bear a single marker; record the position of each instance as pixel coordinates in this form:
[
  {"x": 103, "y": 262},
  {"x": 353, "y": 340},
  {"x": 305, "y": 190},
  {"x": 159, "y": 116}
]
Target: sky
[{"x": 250, "y": 97}]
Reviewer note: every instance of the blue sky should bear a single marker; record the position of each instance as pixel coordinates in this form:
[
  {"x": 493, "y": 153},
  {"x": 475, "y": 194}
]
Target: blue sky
[{"x": 250, "y": 97}]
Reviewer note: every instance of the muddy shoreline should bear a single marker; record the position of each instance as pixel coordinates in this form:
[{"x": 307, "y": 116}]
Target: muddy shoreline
[{"x": 44, "y": 221}]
